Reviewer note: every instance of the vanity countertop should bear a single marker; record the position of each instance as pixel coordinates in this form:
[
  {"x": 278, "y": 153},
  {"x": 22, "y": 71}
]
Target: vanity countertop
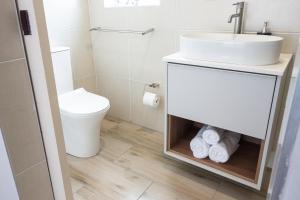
[{"x": 277, "y": 69}]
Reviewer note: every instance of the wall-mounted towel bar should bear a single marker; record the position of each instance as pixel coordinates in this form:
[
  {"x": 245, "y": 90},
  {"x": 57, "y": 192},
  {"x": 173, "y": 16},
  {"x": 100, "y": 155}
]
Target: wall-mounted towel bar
[{"x": 122, "y": 30}]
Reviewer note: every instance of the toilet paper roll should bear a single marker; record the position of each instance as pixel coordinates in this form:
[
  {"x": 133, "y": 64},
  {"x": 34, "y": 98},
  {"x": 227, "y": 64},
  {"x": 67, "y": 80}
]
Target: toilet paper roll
[{"x": 151, "y": 99}]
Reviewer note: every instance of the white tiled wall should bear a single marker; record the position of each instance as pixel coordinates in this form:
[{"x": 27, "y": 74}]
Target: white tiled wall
[
  {"x": 68, "y": 24},
  {"x": 125, "y": 62},
  {"x": 129, "y": 3}
]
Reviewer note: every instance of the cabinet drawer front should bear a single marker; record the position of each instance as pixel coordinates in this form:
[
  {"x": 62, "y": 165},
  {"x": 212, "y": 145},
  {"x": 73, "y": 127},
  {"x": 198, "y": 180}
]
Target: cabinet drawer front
[{"x": 236, "y": 101}]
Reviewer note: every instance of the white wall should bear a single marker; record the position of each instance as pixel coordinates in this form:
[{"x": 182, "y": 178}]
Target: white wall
[
  {"x": 124, "y": 62},
  {"x": 68, "y": 24}
]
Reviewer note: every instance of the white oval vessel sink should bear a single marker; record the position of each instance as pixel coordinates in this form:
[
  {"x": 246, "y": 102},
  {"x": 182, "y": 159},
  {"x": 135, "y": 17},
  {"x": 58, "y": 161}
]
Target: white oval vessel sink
[{"x": 242, "y": 49}]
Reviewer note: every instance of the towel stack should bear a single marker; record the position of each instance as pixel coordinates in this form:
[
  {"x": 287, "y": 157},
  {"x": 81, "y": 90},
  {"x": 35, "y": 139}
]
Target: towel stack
[
  {"x": 222, "y": 151},
  {"x": 216, "y": 143},
  {"x": 199, "y": 147},
  {"x": 213, "y": 135}
]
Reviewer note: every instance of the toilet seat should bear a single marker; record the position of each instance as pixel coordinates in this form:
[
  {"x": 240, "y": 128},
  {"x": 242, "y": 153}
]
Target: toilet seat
[{"x": 82, "y": 103}]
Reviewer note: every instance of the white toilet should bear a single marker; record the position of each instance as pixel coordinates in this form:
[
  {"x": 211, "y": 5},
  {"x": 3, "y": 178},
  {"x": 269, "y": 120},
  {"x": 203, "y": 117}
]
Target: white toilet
[{"x": 81, "y": 111}]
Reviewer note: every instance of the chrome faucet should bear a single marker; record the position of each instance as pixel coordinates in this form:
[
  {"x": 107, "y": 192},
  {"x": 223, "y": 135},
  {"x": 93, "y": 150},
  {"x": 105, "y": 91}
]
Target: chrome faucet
[{"x": 238, "y": 16}]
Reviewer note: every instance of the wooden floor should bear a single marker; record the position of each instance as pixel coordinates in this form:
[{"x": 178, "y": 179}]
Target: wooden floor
[{"x": 131, "y": 166}]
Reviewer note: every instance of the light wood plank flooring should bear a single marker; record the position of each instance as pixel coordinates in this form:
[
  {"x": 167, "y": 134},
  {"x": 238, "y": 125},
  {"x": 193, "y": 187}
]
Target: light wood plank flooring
[{"x": 131, "y": 166}]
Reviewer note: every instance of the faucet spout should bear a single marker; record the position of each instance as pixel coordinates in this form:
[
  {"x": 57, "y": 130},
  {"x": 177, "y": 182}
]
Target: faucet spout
[
  {"x": 239, "y": 15},
  {"x": 232, "y": 16}
]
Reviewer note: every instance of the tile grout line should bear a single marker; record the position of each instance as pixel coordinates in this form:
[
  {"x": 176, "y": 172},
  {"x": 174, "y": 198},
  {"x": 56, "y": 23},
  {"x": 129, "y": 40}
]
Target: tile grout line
[
  {"x": 115, "y": 162},
  {"x": 214, "y": 195},
  {"x": 126, "y": 151},
  {"x": 29, "y": 168},
  {"x": 219, "y": 186},
  {"x": 145, "y": 190},
  {"x": 122, "y": 155},
  {"x": 85, "y": 77},
  {"x": 12, "y": 60}
]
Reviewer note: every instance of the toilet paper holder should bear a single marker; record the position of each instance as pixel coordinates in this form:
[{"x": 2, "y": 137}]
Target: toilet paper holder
[
  {"x": 151, "y": 98},
  {"x": 151, "y": 85}
]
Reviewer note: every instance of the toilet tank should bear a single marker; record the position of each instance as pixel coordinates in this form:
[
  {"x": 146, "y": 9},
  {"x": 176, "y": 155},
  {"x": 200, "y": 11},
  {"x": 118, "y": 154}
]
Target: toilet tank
[{"x": 61, "y": 59}]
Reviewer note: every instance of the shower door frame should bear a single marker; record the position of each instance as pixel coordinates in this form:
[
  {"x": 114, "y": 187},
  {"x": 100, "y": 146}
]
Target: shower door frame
[{"x": 41, "y": 71}]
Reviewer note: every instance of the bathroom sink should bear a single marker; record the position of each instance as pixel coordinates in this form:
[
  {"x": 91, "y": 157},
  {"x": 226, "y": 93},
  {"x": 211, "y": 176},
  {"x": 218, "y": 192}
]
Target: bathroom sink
[{"x": 244, "y": 49}]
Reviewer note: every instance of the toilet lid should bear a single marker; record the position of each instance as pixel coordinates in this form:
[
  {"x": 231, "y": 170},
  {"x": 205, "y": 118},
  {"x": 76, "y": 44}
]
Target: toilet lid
[{"x": 82, "y": 102}]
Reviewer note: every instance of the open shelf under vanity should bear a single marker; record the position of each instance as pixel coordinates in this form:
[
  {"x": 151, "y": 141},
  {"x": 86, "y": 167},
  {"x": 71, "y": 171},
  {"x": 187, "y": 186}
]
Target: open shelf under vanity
[
  {"x": 232, "y": 97},
  {"x": 244, "y": 163}
]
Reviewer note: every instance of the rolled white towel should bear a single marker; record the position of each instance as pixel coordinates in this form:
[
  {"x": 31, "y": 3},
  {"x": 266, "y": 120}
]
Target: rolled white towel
[
  {"x": 222, "y": 151},
  {"x": 199, "y": 147},
  {"x": 213, "y": 135}
]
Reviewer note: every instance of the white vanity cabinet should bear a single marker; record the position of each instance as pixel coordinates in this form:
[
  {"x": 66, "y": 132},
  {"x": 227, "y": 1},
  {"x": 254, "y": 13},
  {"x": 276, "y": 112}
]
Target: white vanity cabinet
[
  {"x": 243, "y": 99},
  {"x": 237, "y": 101}
]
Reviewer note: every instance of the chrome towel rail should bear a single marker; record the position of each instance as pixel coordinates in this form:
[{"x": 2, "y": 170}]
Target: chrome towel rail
[{"x": 122, "y": 30}]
